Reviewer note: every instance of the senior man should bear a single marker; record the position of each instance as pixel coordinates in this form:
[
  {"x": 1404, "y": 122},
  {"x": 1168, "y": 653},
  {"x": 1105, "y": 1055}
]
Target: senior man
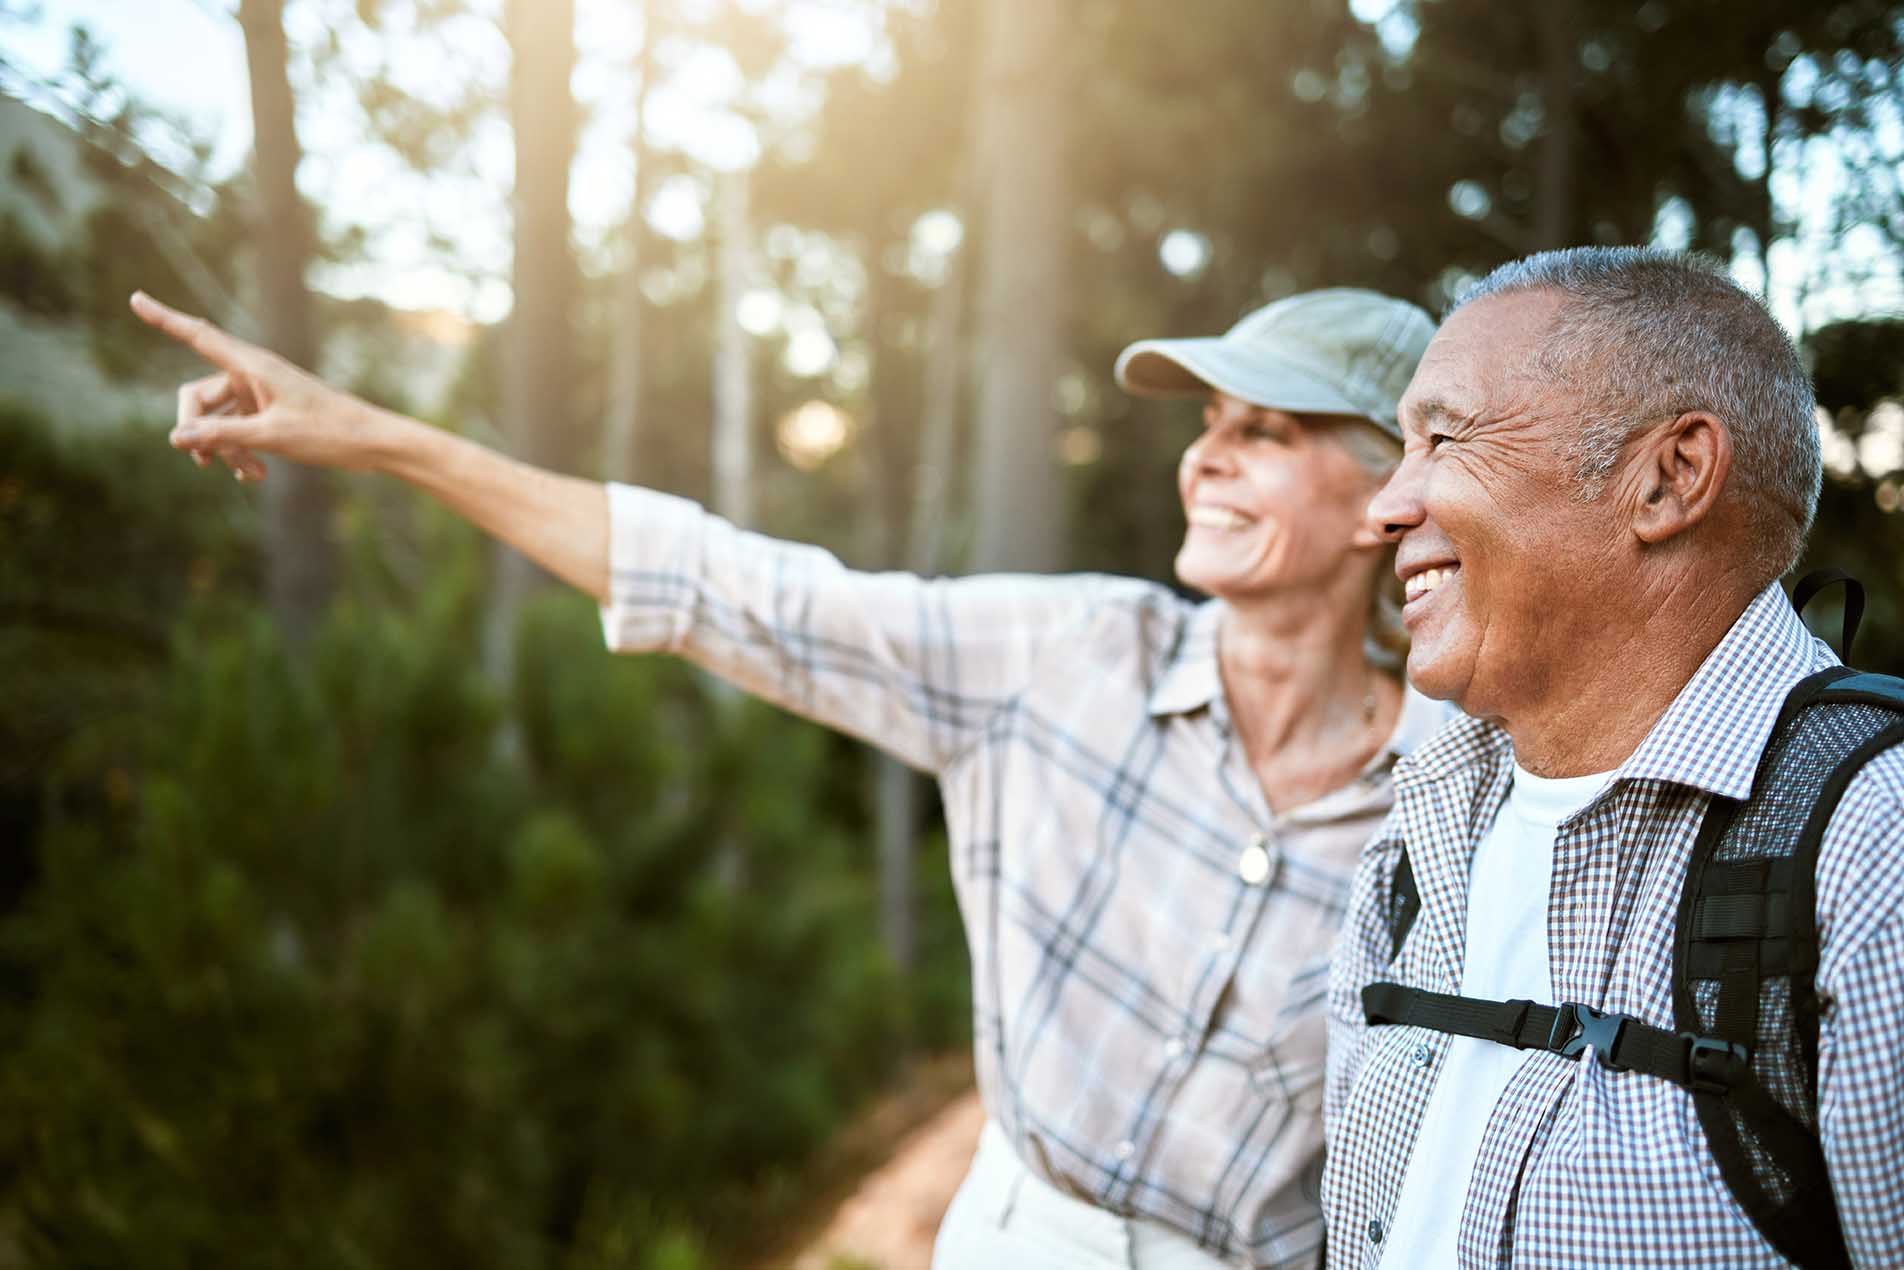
[{"x": 1611, "y": 457}]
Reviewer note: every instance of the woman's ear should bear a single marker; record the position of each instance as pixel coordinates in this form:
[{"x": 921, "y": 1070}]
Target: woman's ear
[{"x": 1679, "y": 473}]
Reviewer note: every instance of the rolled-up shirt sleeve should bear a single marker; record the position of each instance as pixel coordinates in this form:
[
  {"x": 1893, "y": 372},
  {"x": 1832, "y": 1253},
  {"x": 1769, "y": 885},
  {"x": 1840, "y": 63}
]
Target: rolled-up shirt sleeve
[{"x": 915, "y": 666}]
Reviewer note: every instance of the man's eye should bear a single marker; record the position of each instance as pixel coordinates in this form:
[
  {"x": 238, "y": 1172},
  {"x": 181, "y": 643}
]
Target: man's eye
[{"x": 1436, "y": 438}]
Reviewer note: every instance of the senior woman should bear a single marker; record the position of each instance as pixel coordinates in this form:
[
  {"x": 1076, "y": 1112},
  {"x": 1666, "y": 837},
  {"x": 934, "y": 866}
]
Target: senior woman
[{"x": 1154, "y": 805}]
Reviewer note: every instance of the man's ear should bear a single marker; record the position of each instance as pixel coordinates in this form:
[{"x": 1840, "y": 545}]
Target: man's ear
[{"x": 1680, "y": 471}]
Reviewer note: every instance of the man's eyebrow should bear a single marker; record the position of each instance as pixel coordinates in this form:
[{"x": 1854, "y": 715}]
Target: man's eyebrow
[{"x": 1433, "y": 410}]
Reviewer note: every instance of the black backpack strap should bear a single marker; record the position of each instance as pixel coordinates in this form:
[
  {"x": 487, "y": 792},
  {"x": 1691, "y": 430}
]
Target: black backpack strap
[
  {"x": 1746, "y": 920},
  {"x": 1804, "y": 927},
  {"x": 1620, "y": 1041},
  {"x": 1817, "y": 580},
  {"x": 1404, "y": 905}
]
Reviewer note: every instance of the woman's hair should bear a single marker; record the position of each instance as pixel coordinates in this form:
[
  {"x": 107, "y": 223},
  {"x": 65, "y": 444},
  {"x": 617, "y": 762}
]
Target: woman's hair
[{"x": 1379, "y": 453}]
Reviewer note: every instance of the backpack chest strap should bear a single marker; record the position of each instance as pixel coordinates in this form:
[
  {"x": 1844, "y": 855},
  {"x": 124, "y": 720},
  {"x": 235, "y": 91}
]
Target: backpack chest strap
[{"x": 1620, "y": 1042}]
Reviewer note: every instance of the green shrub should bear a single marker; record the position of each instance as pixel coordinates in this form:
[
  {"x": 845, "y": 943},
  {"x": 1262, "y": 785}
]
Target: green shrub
[{"x": 313, "y": 970}]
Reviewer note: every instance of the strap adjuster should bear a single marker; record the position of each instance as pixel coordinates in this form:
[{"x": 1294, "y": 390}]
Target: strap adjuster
[
  {"x": 1578, "y": 1026},
  {"x": 1714, "y": 1066}
]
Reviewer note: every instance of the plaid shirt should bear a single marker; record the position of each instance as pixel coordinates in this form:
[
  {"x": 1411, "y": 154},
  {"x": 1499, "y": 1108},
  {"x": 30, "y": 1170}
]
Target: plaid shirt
[
  {"x": 1149, "y": 940},
  {"x": 1579, "y": 1165}
]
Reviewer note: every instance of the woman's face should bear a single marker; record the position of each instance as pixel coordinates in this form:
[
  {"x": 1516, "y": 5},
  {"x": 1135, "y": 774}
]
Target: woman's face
[{"x": 1274, "y": 502}]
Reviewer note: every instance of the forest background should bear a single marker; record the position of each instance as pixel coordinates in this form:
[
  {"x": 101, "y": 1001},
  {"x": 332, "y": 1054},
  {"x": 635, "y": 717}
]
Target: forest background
[{"x": 355, "y": 908}]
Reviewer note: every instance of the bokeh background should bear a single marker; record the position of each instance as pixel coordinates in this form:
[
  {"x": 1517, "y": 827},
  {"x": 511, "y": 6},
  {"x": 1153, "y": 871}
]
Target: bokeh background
[{"x": 355, "y": 908}]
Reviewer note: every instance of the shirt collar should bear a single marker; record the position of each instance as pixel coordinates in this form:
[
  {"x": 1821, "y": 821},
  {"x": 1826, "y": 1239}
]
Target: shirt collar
[
  {"x": 1190, "y": 679},
  {"x": 1421, "y": 719},
  {"x": 1709, "y": 737}
]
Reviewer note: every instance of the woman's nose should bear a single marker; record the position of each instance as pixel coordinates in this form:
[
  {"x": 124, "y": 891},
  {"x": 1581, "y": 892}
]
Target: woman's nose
[{"x": 1208, "y": 453}]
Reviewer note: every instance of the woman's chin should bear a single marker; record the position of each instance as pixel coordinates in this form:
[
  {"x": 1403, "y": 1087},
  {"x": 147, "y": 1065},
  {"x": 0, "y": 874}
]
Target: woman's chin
[{"x": 1199, "y": 573}]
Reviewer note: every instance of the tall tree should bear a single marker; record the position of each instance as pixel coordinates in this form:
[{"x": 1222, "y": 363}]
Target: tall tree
[
  {"x": 733, "y": 383},
  {"x": 1023, "y": 286},
  {"x": 537, "y": 367},
  {"x": 622, "y": 421},
  {"x": 1554, "y": 198},
  {"x": 898, "y": 791},
  {"x": 298, "y": 500}
]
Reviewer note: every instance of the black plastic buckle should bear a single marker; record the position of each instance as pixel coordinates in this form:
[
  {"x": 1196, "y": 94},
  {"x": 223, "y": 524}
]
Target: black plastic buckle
[
  {"x": 1714, "y": 1066},
  {"x": 1578, "y": 1026}
]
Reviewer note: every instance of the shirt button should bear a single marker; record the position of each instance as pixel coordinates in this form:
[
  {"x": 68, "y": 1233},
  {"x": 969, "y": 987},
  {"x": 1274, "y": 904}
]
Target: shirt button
[
  {"x": 1220, "y": 941},
  {"x": 1174, "y": 1047},
  {"x": 1125, "y": 1149},
  {"x": 1375, "y": 1232},
  {"x": 1423, "y": 1056},
  {"x": 1253, "y": 865}
]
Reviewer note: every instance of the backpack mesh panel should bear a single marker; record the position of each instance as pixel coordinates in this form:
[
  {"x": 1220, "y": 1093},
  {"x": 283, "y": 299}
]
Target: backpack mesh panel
[{"x": 1796, "y": 765}]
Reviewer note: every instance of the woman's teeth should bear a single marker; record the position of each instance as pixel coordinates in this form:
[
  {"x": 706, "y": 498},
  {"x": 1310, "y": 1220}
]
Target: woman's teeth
[
  {"x": 1217, "y": 518},
  {"x": 1427, "y": 580}
]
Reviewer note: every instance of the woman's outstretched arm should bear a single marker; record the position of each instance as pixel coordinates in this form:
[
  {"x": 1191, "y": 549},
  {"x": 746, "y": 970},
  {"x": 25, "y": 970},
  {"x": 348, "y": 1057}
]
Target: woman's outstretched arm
[
  {"x": 258, "y": 403},
  {"x": 914, "y": 666}
]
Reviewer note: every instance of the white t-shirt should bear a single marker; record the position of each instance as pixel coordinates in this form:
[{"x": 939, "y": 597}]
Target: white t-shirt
[{"x": 1506, "y": 958}]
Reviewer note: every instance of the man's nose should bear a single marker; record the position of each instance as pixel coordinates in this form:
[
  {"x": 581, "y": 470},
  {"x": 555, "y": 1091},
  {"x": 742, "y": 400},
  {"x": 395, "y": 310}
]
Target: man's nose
[{"x": 1397, "y": 506}]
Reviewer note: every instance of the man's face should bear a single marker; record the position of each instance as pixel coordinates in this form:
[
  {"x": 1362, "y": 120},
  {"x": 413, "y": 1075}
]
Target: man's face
[{"x": 1510, "y": 582}]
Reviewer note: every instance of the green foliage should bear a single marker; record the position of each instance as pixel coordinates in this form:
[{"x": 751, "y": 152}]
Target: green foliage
[
  {"x": 32, "y": 275},
  {"x": 105, "y": 542},
  {"x": 1857, "y": 366},
  {"x": 335, "y": 977}
]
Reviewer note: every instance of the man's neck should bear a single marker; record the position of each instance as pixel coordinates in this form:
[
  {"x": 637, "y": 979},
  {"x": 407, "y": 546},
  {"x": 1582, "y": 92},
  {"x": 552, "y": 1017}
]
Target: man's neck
[{"x": 1593, "y": 720}]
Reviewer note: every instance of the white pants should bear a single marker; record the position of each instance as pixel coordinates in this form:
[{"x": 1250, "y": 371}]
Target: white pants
[{"x": 1004, "y": 1218}]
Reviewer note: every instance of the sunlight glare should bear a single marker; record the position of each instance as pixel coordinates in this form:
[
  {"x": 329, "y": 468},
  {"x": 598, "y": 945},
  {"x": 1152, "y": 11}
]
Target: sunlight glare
[
  {"x": 811, "y": 434},
  {"x": 1184, "y": 252},
  {"x": 675, "y": 210},
  {"x": 1881, "y": 448},
  {"x": 758, "y": 312},
  {"x": 810, "y": 351}
]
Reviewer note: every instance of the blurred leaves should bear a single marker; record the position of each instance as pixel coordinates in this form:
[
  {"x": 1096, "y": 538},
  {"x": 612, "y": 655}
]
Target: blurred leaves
[{"x": 327, "y": 981}]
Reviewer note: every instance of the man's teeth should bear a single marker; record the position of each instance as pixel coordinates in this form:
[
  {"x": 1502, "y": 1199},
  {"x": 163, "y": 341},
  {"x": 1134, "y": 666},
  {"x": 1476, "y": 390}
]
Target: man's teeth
[
  {"x": 1427, "y": 580},
  {"x": 1217, "y": 518}
]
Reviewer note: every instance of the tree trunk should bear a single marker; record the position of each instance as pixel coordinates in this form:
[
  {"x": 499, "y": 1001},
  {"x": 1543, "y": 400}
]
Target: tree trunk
[
  {"x": 620, "y": 428},
  {"x": 732, "y": 442},
  {"x": 733, "y": 395},
  {"x": 1555, "y": 215},
  {"x": 943, "y": 395},
  {"x": 297, "y": 499},
  {"x": 536, "y": 366},
  {"x": 1765, "y": 223},
  {"x": 1023, "y": 287},
  {"x": 898, "y": 791},
  {"x": 894, "y": 785}
]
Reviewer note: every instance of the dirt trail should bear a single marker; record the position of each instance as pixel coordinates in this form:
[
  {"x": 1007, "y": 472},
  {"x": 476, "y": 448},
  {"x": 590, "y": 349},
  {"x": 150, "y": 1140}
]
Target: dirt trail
[{"x": 892, "y": 1215}]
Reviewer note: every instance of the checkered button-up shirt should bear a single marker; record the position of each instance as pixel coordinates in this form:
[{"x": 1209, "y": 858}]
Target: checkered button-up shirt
[
  {"x": 1580, "y": 1165},
  {"x": 1148, "y": 939}
]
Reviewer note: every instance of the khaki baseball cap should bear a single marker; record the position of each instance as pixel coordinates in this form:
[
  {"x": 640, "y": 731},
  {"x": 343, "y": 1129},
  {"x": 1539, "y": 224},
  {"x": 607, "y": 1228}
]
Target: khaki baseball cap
[{"x": 1342, "y": 351}]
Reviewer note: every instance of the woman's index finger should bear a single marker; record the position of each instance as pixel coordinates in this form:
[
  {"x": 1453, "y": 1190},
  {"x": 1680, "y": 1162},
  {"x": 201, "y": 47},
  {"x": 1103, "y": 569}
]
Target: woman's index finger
[{"x": 202, "y": 337}]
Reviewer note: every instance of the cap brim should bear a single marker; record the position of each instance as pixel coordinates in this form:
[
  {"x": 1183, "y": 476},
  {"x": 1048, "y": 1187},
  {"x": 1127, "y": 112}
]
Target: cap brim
[{"x": 1179, "y": 368}]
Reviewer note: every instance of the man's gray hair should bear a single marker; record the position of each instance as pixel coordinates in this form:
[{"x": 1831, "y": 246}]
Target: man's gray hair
[{"x": 1644, "y": 335}]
